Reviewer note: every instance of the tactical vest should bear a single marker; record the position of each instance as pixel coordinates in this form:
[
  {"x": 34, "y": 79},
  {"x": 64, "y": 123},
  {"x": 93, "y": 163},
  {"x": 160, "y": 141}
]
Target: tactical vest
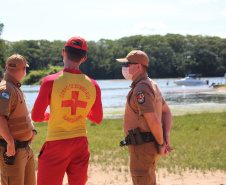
[
  {"x": 132, "y": 119},
  {"x": 19, "y": 121}
]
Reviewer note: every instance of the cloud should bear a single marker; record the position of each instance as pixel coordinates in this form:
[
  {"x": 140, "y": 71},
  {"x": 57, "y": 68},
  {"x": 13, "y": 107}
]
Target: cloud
[
  {"x": 145, "y": 28},
  {"x": 223, "y": 13},
  {"x": 197, "y": 1}
]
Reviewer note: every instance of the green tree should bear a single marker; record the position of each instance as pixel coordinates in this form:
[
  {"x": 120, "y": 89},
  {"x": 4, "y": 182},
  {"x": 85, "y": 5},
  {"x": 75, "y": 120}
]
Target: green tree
[
  {"x": 2, "y": 49},
  {"x": 172, "y": 55}
]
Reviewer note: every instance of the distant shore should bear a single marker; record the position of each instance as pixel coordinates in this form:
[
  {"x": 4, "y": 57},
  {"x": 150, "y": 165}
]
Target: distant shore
[
  {"x": 181, "y": 109},
  {"x": 220, "y": 90}
]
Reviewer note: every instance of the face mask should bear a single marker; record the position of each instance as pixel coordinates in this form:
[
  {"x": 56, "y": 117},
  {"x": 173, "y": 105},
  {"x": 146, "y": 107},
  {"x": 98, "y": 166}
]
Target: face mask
[{"x": 126, "y": 74}]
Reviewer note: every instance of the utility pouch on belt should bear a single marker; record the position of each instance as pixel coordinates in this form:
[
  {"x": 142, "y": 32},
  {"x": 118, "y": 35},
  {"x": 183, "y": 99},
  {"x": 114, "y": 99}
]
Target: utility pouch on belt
[
  {"x": 136, "y": 137},
  {"x": 8, "y": 160},
  {"x": 132, "y": 137}
]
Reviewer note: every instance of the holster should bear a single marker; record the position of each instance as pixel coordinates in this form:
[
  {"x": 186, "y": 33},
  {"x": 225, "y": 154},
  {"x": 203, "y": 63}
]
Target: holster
[
  {"x": 136, "y": 137},
  {"x": 10, "y": 160}
]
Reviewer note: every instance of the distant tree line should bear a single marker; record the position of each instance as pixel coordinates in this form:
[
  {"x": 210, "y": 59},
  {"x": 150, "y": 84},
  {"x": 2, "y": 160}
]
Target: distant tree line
[{"x": 172, "y": 55}]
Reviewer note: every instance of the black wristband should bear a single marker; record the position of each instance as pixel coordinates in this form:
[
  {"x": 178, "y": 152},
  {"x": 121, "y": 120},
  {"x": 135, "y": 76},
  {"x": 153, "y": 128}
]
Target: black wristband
[
  {"x": 35, "y": 131},
  {"x": 160, "y": 146}
]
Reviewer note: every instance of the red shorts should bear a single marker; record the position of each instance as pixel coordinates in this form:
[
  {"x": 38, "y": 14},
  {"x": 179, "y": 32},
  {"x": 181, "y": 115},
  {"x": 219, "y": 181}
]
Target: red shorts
[{"x": 57, "y": 157}]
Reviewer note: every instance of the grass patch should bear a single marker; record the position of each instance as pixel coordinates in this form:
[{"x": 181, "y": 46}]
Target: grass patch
[
  {"x": 219, "y": 86},
  {"x": 199, "y": 141}
]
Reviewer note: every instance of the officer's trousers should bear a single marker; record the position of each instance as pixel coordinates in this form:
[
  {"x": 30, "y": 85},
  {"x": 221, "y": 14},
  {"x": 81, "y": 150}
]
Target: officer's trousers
[
  {"x": 23, "y": 170},
  {"x": 143, "y": 159}
]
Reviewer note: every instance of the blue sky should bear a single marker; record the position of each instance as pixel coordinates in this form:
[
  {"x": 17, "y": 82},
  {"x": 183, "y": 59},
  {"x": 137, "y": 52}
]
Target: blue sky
[{"x": 108, "y": 19}]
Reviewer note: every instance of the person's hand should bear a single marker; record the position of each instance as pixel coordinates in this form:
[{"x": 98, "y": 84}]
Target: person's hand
[
  {"x": 162, "y": 151},
  {"x": 10, "y": 149},
  {"x": 169, "y": 149},
  {"x": 46, "y": 114},
  {"x": 167, "y": 142},
  {"x": 167, "y": 139}
]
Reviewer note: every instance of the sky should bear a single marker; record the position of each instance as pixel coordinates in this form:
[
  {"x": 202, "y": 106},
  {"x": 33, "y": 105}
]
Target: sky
[{"x": 110, "y": 19}]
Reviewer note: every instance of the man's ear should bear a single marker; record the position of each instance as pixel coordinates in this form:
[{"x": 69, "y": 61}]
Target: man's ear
[
  {"x": 84, "y": 59},
  {"x": 63, "y": 52},
  {"x": 139, "y": 67}
]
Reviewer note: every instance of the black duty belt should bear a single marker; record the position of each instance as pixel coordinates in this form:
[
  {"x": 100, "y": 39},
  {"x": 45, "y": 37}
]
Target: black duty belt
[
  {"x": 147, "y": 137},
  {"x": 18, "y": 144}
]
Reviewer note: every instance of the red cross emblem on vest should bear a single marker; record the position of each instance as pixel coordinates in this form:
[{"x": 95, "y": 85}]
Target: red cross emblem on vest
[{"x": 74, "y": 102}]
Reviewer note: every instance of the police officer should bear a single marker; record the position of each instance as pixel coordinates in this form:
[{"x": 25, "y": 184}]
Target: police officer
[
  {"x": 147, "y": 113},
  {"x": 16, "y": 129}
]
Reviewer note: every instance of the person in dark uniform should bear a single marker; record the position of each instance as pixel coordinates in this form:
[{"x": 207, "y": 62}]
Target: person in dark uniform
[
  {"x": 17, "y": 164},
  {"x": 147, "y": 120}
]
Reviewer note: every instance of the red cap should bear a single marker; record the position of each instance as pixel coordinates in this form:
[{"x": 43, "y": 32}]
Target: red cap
[{"x": 77, "y": 42}]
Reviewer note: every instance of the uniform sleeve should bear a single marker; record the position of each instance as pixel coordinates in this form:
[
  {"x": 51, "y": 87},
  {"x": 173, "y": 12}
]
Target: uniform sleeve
[
  {"x": 8, "y": 101},
  {"x": 43, "y": 100},
  {"x": 96, "y": 113},
  {"x": 143, "y": 98}
]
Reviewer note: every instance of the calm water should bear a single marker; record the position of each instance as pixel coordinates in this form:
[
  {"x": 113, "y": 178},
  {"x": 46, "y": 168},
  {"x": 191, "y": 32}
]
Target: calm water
[{"x": 114, "y": 94}]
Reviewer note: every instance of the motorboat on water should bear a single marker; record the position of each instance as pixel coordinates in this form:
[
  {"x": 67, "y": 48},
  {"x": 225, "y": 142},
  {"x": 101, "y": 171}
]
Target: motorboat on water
[{"x": 191, "y": 79}]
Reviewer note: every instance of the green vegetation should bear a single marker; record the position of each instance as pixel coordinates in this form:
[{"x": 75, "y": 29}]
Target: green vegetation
[
  {"x": 172, "y": 55},
  {"x": 219, "y": 86},
  {"x": 36, "y": 77},
  {"x": 2, "y": 49},
  {"x": 199, "y": 142}
]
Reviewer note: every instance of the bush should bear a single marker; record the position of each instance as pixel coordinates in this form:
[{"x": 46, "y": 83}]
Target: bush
[
  {"x": 54, "y": 69},
  {"x": 35, "y": 77}
]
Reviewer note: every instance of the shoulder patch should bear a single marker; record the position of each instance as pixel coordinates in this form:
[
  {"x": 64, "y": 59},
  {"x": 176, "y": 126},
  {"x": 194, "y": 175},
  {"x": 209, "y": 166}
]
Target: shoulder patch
[
  {"x": 140, "y": 97},
  {"x": 5, "y": 95}
]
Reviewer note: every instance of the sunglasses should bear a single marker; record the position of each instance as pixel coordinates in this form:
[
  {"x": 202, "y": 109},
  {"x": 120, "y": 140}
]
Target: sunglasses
[{"x": 126, "y": 64}]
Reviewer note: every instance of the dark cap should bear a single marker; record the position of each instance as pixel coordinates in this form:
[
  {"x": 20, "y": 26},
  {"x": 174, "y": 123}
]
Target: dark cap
[
  {"x": 136, "y": 56},
  {"x": 77, "y": 42},
  {"x": 16, "y": 62}
]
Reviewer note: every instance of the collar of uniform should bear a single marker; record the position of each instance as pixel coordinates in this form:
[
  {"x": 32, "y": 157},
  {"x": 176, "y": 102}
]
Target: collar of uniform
[
  {"x": 11, "y": 79},
  {"x": 139, "y": 78},
  {"x": 73, "y": 71}
]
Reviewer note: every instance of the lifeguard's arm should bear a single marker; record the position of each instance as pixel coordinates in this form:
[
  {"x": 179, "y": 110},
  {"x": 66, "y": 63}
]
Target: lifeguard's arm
[
  {"x": 5, "y": 133},
  {"x": 38, "y": 112},
  {"x": 166, "y": 122},
  {"x": 96, "y": 113}
]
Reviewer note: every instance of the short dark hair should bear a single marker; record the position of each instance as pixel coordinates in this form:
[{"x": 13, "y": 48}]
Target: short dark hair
[{"x": 75, "y": 54}]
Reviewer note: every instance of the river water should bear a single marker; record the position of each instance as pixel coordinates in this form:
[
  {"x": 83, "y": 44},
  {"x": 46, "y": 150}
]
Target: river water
[{"x": 181, "y": 99}]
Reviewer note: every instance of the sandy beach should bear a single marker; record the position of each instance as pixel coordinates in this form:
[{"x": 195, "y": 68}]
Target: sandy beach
[{"x": 98, "y": 176}]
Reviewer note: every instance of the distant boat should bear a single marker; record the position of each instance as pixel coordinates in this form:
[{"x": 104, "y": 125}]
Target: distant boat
[{"x": 191, "y": 79}]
